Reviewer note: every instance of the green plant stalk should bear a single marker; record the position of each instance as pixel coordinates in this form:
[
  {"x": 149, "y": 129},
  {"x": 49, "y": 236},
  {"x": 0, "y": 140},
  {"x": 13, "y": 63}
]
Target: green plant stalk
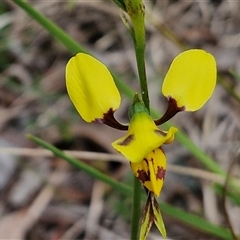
[
  {"x": 135, "y": 10},
  {"x": 136, "y": 209},
  {"x": 191, "y": 219},
  {"x": 139, "y": 50}
]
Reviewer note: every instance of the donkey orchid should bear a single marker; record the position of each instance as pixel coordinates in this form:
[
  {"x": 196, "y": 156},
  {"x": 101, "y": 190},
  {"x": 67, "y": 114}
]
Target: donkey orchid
[{"x": 187, "y": 86}]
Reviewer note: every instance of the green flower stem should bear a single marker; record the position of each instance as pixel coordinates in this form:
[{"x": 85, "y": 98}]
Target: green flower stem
[
  {"x": 139, "y": 50},
  {"x": 136, "y": 209},
  {"x": 136, "y": 12},
  {"x": 191, "y": 219}
]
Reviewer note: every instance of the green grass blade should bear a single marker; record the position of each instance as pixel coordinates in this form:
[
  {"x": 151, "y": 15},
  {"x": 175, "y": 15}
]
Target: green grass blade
[{"x": 195, "y": 221}]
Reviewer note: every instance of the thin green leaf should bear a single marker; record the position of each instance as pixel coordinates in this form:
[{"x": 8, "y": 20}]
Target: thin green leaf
[{"x": 196, "y": 221}]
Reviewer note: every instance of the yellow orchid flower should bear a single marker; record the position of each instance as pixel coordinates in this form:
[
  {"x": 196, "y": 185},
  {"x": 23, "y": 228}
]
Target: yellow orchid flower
[{"x": 188, "y": 84}]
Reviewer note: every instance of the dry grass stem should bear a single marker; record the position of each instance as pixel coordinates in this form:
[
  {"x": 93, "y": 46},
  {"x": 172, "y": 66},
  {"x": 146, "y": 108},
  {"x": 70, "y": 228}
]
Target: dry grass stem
[{"x": 188, "y": 171}]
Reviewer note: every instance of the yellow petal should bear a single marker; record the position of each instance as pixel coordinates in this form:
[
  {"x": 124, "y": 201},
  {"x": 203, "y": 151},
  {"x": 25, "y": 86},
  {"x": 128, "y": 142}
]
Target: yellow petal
[
  {"x": 91, "y": 87},
  {"x": 151, "y": 171},
  {"x": 191, "y": 79},
  {"x": 142, "y": 137}
]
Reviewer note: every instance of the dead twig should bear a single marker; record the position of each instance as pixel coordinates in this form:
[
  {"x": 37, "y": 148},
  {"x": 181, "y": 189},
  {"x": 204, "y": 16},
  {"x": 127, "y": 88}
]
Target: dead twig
[{"x": 35, "y": 152}]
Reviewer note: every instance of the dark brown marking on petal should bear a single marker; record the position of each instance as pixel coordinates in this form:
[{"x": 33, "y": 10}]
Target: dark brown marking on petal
[
  {"x": 109, "y": 119},
  {"x": 143, "y": 176},
  {"x": 151, "y": 159},
  {"x": 160, "y": 173},
  {"x": 171, "y": 111},
  {"x": 127, "y": 140}
]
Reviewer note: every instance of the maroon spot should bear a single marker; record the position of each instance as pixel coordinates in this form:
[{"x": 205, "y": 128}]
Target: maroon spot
[
  {"x": 161, "y": 173},
  {"x": 127, "y": 140},
  {"x": 143, "y": 176}
]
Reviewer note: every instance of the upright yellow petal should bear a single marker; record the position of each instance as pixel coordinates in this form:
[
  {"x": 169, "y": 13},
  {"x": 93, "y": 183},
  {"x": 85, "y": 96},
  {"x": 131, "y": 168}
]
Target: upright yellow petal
[
  {"x": 191, "y": 79},
  {"x": 142, "y": 137},
  {"x": 91, "y": 87}
]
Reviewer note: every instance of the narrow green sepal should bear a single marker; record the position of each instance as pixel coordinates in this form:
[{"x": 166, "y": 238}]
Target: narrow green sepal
[
  {"x": 121, "y": 4},
  {"x": 127, "y": 23},
  {"x": 147, "y": 220},
  {"x": 158, "y": 216},
  {"x": 137, "y": 106},
  {"x": 151, "y": 214}
]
